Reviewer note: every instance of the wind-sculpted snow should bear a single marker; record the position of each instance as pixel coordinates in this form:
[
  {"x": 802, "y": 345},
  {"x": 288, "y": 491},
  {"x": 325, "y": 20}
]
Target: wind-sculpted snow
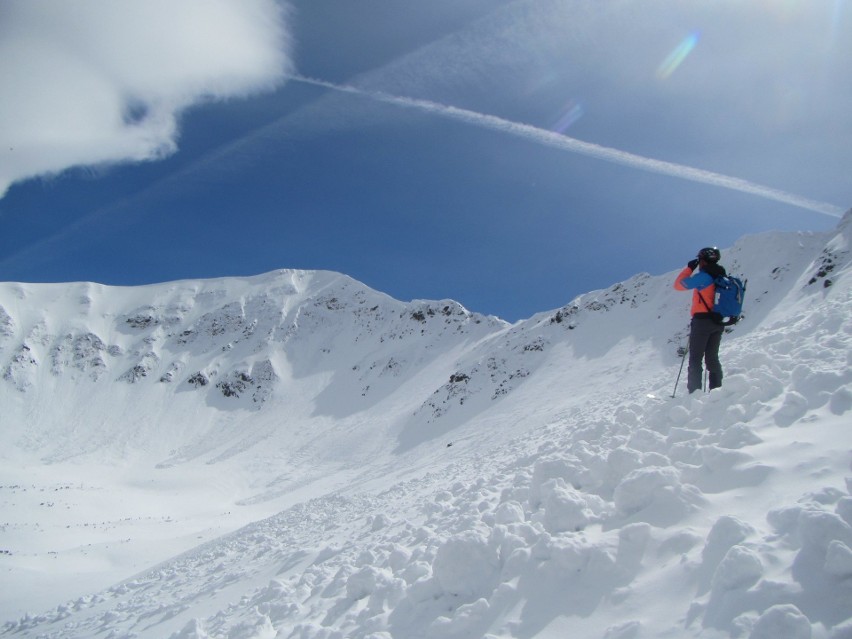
[{"x": 438, "y": 474}]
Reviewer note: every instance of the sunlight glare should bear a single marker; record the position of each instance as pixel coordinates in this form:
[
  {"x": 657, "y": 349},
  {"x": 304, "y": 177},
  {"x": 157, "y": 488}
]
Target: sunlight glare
[
  {"x": 677, "y": 56},
  {"x": 572, "y": 112}
]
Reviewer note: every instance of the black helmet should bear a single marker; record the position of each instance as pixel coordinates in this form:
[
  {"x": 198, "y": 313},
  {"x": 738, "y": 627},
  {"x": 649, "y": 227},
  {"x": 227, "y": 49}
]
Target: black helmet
[{"x": 710, "y": 254}]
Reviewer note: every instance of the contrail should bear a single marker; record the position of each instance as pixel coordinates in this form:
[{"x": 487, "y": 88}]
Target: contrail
[{"x": 573, "y": 145}]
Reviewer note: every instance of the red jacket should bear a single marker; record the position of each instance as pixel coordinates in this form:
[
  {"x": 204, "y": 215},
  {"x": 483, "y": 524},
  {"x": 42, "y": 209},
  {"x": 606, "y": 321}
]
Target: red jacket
[{"x": 703, "y": 289}]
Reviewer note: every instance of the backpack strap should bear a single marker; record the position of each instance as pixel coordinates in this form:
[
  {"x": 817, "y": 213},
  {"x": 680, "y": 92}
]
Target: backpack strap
[
  {"x": 715, "y": 316},
  {"x": 701, "y": 297}
]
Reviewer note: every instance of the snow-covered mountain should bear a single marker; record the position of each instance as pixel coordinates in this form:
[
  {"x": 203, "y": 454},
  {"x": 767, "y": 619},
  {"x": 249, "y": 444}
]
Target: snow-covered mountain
[{"x": 297, "y": 455}]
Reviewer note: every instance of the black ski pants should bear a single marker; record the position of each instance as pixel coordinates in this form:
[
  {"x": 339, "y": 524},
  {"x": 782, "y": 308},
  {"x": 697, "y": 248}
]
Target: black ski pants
[{"x": 705, "y": 336}]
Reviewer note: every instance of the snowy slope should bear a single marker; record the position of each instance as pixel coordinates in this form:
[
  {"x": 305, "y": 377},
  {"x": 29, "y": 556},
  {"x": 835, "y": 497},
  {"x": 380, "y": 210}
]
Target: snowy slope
[{"x": 295, "y": 455}]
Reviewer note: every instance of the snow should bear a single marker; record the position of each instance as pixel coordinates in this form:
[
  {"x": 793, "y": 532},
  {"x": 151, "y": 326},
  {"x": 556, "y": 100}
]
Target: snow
[{"x": 296, "y": 455}]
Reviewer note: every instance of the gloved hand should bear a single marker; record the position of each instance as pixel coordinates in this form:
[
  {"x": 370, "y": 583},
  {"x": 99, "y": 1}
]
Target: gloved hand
[{"x": 692, "y": 264}]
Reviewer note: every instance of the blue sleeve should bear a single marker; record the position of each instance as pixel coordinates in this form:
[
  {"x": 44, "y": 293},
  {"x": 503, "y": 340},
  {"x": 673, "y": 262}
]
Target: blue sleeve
[{"x": 699, "y": 280}]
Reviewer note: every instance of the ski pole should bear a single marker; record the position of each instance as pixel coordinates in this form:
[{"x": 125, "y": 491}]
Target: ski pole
[{"x": 682, "y": 360}]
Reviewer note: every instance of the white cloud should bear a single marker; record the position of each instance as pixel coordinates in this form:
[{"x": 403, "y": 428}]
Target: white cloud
[{"x": 104, "y": 81}]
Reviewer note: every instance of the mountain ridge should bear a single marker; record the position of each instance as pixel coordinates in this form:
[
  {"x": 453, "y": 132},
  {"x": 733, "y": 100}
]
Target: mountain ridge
[{"x": 419, "y": 470}]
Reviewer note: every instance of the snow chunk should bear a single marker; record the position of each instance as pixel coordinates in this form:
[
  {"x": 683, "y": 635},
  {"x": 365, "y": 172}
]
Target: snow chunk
[
  {"x": 567, "y": 510},
  {"x": 362, "y": 583},
  {"x": 509, "y": 512},
  {"x": 379, "y": 522},
  {"x": 815, "y": 386},
  {"x": 838, "y": 559},
  {"x": 725, "y": 533},
  {"x": 466, "y": 618},
  {"x": 738, "y": 436},
  {"x": 841, "y": 401},
  {"x": 740, "y": 569},
  {"x": 546, "y": 470},
  {"x": 784, "y": 520},
  {"x": 819, "y": 529},
  {"x": 793, "y": 409},
  {"x": 679, "y": 415},
  {"x": 782, "y": 621},
  {"x": 648, "y": 441},
  {"x": 621, "y": 461},
  {"x": 466, "y": 566},
  {"x": 659, "y": 492}
]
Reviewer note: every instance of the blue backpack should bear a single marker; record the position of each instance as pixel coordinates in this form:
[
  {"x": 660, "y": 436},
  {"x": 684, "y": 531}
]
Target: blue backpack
[{"x": 728, "y": 300}]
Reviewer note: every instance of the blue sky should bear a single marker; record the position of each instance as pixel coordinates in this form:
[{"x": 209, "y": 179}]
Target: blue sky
[{"x": 506, "y": 154}]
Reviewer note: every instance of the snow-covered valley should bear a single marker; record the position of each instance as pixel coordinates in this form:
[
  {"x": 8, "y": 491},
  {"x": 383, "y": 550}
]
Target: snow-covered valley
[{"x": 296, "y": 455}]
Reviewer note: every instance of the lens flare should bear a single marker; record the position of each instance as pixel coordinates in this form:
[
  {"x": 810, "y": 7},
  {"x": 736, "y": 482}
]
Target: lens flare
[
  {"x": 677, "y": 56},
  {"x": 572, "y": 112}
]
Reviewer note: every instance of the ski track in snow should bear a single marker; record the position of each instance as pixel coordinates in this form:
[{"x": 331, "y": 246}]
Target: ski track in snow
[{"x": 340, "y": 486}]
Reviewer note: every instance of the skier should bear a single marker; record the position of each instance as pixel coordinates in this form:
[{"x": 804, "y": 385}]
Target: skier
[{"x": 705, "y": 333}]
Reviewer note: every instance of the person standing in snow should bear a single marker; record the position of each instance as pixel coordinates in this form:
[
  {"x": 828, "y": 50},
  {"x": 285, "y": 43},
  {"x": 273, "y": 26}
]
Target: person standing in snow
[{"x": 705, "y": 333}]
